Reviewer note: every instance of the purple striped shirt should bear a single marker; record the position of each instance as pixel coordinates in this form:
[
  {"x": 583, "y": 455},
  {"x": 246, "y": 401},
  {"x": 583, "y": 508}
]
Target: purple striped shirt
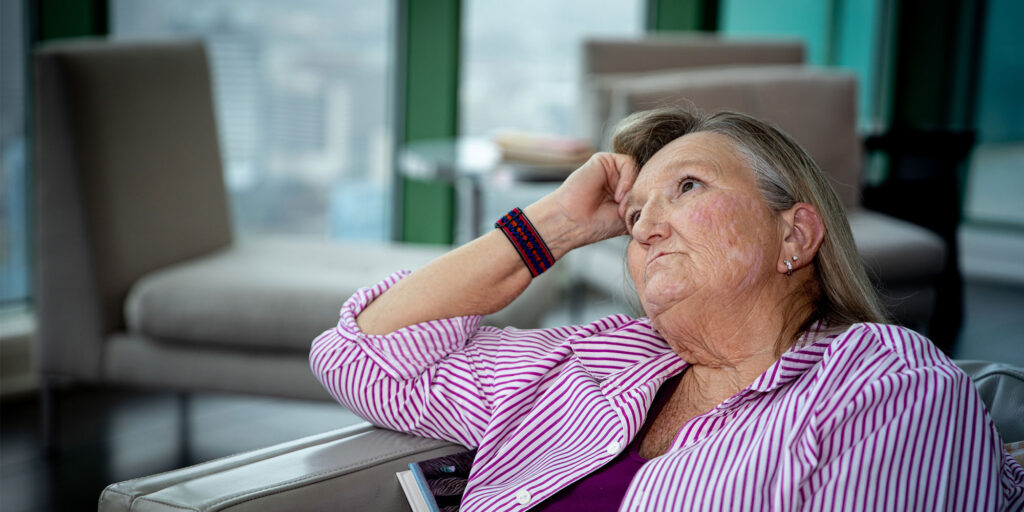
[{"x": 873, "y": 418}]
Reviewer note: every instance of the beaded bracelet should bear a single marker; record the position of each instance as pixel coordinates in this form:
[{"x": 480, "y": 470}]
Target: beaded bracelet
[{"x": 527, "y": 241}]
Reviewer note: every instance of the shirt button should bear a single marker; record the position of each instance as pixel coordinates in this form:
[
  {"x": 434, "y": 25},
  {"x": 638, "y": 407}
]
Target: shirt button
[
  {"x": 523, "y": 497},
  {"x": 613, "y": 448}
]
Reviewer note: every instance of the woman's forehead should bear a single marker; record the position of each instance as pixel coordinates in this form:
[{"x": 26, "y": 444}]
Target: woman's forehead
[
  {"x": 710, "y": 148},
  {"x": 714, "y": 154}
]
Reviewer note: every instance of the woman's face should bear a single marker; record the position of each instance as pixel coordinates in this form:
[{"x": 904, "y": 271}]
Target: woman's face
[{"x": 702, "y": 237}]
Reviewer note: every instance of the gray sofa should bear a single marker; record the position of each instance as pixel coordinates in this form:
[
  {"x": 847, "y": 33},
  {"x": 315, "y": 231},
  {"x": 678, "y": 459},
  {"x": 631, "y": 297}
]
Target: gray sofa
[
  {"x": 354, "y": 468},
  {"x": 141, "y": 279}
]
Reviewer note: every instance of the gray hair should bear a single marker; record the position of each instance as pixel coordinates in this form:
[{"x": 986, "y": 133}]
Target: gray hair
[{"x": 839, "y": 292}]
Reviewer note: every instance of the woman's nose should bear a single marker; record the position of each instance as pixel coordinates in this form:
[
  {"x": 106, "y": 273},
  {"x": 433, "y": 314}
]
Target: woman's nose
[{"x": 649, "y": 227}]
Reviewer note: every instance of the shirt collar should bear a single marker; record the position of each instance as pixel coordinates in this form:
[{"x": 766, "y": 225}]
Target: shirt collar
[
  {"x": 623, "y": 343},
  {"x": 805, "y": 353}
]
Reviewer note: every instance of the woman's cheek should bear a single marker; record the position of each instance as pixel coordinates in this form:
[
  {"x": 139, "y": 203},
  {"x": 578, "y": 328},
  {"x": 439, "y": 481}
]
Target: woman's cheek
[{"x": 732, "y": 234}]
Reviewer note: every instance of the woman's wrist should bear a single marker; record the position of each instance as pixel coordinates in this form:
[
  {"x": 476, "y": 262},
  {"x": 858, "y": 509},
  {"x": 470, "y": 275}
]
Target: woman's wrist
[
  {"x": 527, "y": 241},
  {"x": 558, "y": 231}
]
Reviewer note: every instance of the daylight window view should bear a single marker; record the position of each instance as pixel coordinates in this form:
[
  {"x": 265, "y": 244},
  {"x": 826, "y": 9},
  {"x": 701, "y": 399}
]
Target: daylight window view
[
  {"x": 521, "y": 64},
  {"x": 302, "y": 92}
]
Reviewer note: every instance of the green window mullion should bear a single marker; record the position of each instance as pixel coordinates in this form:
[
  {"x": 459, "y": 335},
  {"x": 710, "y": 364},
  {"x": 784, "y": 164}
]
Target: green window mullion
[
  {"x": 430, "y": 43},
  {"x": 682, "y": 15},
  {"x": 48, "y": 20},
  {"x": 60, "y": 19}
]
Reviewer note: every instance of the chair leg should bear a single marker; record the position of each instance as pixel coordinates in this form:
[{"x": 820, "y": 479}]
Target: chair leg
[
  {"x": 49, "y": 416},
  {"x": 185, "y": 429}
]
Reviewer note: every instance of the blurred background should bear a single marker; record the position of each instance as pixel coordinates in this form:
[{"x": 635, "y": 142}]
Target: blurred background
[{"x": 316, "y": 99}]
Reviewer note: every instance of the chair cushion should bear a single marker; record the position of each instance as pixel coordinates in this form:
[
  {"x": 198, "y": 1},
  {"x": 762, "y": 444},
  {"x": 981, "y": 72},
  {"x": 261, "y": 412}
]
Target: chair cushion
[
  {"x": 146, "y": 160},
  {"x": 269, "y": 293},
  {"x": 817, "y": 107},
  {"x": 280, "y": 293},
  {"x": 896, "y": 251},
  {"x": 608, "y": 61}
]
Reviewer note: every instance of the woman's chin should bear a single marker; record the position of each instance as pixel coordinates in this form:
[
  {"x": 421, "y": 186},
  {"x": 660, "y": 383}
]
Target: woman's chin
[{"x": 656, "y": 304}]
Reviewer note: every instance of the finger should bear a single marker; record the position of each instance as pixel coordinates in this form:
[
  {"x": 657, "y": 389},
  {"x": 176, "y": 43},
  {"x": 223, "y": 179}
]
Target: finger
[
  {"x": 620, "y": 227},
  {"x": 627, "y": 176}
]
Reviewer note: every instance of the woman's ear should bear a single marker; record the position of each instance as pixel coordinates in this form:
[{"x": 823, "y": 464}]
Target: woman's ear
[{"x": 802, "y": 236}]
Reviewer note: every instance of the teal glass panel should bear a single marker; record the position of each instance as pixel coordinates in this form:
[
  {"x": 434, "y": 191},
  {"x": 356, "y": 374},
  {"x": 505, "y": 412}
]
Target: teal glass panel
[
  {"x": 804, "y": 19},
  {"x": 996, "y": 177},
  {"x": 846, "y": 34},
  {"x": 857, "y": 47}
]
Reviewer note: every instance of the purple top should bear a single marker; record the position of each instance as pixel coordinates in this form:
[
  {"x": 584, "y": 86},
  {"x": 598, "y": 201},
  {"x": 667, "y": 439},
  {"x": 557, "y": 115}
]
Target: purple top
[{"x": 602, "y": 490}]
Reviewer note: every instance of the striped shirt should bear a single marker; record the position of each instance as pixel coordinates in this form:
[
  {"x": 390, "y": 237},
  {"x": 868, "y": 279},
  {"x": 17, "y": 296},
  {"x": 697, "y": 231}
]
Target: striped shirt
[{"x": 873, "y": 418}]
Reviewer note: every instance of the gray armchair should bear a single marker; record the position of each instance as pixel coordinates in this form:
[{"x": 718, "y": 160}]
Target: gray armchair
[
  {"x": 141, "y": 279},
  {"x": 354, "y": 468}
]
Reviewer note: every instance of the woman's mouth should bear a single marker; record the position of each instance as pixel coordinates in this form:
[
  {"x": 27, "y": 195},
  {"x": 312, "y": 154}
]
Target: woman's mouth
[{"x": 654, "y": 257}]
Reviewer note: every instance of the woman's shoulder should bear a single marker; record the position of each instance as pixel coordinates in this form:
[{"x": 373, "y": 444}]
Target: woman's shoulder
[
  {"x": 872, "y": 363},
  {"x": 894, "y": 347}
]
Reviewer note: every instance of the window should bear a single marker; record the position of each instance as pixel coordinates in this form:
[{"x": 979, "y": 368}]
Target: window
[
  {"x": 14, "y": 250},
  {"x": 996, "y": 178},
  {"x": 520, "y": 71},
  {"x": 849, "y": 35},
  {"x": 302, "y": 92},
  {"x": 521, "y": 61}
]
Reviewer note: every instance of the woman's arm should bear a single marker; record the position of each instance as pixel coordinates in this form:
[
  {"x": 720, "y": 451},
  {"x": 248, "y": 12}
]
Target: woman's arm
[{"x": 486, "y": 274}]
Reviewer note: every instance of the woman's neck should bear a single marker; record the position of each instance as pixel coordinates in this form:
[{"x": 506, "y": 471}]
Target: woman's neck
[
  {"x": 713, "y": 385},
  {"x": 728, "y": 348}
]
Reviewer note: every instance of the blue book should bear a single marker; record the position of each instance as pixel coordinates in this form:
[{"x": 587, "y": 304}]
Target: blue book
[{"x": 437, "y": 485}]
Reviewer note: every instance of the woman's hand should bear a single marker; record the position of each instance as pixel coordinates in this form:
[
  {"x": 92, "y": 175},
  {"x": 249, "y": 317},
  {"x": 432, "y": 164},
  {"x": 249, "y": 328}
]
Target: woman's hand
[{"x": 585, "y": 208}]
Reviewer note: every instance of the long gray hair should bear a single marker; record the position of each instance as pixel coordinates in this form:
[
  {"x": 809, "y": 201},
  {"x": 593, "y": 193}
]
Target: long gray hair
[{"x": 839, "y": 292}]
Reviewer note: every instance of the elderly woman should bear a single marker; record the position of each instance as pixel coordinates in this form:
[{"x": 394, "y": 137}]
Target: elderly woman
[{"x": 762, "y": 377}]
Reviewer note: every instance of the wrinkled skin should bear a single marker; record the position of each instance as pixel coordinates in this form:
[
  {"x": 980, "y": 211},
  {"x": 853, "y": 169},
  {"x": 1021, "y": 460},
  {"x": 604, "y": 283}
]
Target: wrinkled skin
[{"x": 705, "y": 248}]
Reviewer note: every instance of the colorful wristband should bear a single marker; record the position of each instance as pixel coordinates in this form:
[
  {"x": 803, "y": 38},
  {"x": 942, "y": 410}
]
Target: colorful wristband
[{"x": 527, "y": 241}]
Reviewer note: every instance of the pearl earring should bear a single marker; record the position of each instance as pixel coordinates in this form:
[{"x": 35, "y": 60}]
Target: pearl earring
[
  {"x": 795, "y": 258},
  {"x": 788, "y": 266}
]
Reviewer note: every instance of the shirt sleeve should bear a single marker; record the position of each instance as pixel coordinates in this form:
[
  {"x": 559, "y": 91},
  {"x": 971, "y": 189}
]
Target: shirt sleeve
[
  {"x": 912, "y": 439},
  {"x": 434, "y": 379}
]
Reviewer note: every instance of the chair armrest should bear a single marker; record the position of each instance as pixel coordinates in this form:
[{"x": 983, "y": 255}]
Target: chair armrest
[
  {"x": 348, "y": 469},
  {"x": 1001, "y": 387}
]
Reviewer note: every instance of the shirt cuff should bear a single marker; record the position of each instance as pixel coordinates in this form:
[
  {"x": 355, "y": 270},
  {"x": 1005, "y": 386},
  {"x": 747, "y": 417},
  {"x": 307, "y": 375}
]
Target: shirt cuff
[{"x": 410, "y": 350}]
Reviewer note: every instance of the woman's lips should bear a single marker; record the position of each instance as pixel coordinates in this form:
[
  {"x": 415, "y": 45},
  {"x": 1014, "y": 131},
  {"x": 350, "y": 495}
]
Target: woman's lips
[{"x": 655, "y": 256}]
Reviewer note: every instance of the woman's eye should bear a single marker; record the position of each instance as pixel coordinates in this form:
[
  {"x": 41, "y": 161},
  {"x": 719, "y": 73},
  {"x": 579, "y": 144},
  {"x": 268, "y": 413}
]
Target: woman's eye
[
  {"x": 633, "y": 217},
  {"x": 688, "y": 184}
]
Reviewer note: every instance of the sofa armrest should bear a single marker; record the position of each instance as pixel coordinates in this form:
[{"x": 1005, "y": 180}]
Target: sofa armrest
[
  {"x": 354, "y": 468},
  {"x": 348, "y": 469},
  {"x": 1001, "y": 387}
]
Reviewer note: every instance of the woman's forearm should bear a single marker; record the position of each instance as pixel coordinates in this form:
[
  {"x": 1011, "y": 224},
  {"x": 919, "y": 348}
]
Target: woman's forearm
[
  {"x": 487, "y": 274},
  {"x": 479, "y": 278}
]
